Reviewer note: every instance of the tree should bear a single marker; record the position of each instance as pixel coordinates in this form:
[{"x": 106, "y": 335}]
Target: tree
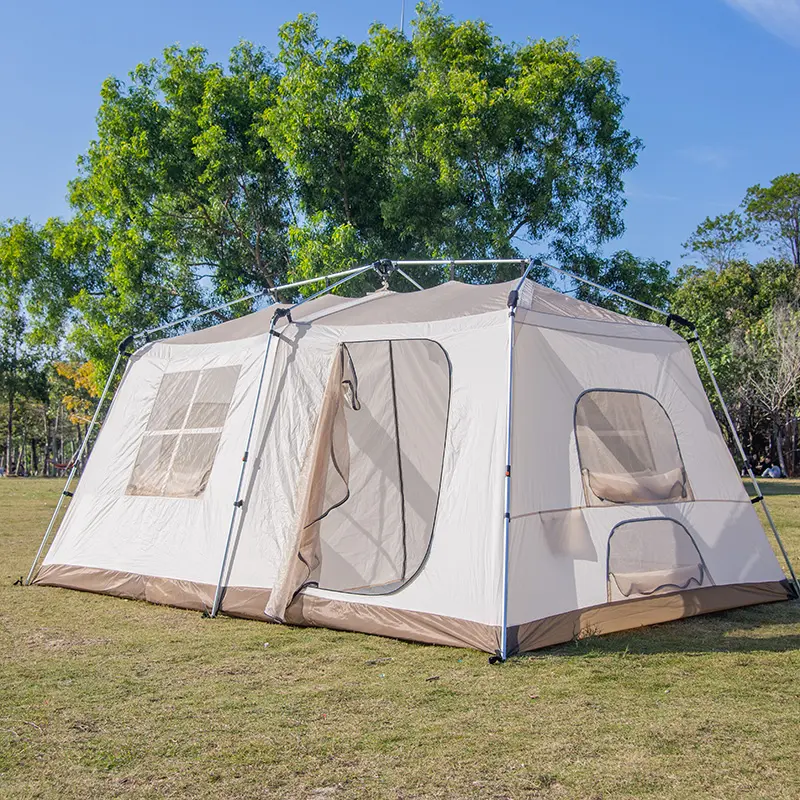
[
  {"x": 451, "y": 143},
  {"x": 720, "y": 241},
  {"x": 646, "y": 280},
  {"x": 179, "y": 199},
  {"x": 776, "y": 211},
  {"x": 772, "y": 350},
  {"x": 22, "y": 251}
]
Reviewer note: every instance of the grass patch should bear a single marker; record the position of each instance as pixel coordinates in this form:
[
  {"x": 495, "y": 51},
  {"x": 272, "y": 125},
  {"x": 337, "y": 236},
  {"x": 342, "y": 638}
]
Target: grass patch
[{"x": 101, "y": 697}]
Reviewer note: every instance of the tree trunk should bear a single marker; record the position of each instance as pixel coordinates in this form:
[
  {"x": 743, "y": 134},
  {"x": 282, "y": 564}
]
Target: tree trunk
[
  {"x": 779, "y": 448},
  {"x": 34, "y": 458},
  {"x": 10, "y": 430}
]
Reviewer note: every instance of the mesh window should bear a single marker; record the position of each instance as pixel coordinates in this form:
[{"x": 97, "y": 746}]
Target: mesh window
[
  {"x": 370, "y": 504},
  {"x": 177, "y": 451},
  {"x": 628, "y": 450},
  {"x": 653, "y": 556}
]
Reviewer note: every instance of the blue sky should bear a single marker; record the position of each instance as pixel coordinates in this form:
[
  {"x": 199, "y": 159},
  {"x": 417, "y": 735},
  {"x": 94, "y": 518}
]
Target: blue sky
[{"x": 712, "y": 86}]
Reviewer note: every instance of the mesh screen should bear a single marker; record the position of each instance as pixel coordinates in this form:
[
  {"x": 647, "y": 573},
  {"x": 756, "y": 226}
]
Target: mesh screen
[
  {"x": 653, "y": 556},
  {"x": 628, "y": 449},
  {"x": 177, "y": 451},
  {"x": 377, "y": 538}
]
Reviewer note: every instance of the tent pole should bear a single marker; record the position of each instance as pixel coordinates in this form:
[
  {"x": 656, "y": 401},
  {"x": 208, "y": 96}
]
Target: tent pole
[
  {"x": 238, "y": 503},
  {"x": 77, "y": 457},
  {"x": 253, "y": 296},
  {"x": 411, "y": 280},
  {"x": 759, "y": 494},
  {"x": 513, "y": 299}
]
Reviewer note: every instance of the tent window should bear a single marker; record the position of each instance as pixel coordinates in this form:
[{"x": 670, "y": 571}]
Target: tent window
[
  {"x": 653, "y": 556},
  {"x": 628, "y": 450},
  {"x": 180, "y": 442},
  {"x": 385, "y": 466}
]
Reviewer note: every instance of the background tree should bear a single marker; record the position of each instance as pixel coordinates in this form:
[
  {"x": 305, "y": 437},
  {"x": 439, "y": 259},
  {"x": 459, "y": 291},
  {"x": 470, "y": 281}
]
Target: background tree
[
  {"x": 451, "y": 143},
  {"x": 776, "y": 211},
  {"x": 720, "y": 241}
]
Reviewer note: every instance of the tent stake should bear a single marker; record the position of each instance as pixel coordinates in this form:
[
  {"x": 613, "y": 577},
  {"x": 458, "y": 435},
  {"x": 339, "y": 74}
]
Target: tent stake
[
  {"x": 238, "y": 502},
  {"x": 512, "y": 313},
  {"x": 747, "y": 465},
  {"x": 76, "y": 459}
]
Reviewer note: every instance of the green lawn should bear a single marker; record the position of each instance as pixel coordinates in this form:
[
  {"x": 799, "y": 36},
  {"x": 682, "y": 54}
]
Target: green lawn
[{"x": 101, "y": 697}]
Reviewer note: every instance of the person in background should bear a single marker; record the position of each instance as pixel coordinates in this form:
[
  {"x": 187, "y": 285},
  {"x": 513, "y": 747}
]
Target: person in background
[{"x": 771, "y": 471}]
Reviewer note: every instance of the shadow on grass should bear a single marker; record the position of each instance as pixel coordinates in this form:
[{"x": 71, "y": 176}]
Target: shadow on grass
[
  {"x": 743, "y": 630},
  {"x": 775, "y": 487}
]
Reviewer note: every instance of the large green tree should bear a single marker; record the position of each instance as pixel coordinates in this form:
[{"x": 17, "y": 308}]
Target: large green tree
[{"x": 450, "y": 143}]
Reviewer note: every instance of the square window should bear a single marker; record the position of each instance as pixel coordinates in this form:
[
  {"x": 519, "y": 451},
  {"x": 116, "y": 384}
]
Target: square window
[{"x": 177, "y": 451}]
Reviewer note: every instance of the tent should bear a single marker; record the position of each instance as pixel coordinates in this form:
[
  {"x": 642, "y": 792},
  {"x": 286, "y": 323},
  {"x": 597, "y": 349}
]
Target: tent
[{"x": 502, "y": 467}]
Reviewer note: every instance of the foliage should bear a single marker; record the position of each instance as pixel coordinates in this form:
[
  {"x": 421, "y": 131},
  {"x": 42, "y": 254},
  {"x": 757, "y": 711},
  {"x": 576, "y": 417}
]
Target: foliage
[
  {"x": 720, "y": 241},
  {"x": 776, "y": 210},
  {"x": 451, "y": 143},
  {"x": 646, "y": 280}
]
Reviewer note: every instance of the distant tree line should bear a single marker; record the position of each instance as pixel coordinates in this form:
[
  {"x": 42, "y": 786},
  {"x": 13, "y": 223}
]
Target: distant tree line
[{"x": 206, "y": 182}]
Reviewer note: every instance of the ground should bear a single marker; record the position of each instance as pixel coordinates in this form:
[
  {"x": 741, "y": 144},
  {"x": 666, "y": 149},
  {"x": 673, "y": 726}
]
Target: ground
[{"x": 101, "y": 697}]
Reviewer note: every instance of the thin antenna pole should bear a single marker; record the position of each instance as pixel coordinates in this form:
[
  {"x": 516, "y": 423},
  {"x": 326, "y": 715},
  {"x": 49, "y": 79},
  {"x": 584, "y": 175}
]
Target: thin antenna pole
[
  {"x": 75, "y": 461},
  {"x": 402, "y": 16},
  {"x": 238, "y": 503}
]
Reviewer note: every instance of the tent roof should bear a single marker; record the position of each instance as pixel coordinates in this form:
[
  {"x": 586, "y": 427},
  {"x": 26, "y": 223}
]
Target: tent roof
[{"x": 446, "y": 301}]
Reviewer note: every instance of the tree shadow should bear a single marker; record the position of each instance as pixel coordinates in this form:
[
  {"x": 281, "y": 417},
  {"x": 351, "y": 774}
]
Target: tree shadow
[
  {"x": 741, "y": 630},
  {"x": 775, "y": 487}
]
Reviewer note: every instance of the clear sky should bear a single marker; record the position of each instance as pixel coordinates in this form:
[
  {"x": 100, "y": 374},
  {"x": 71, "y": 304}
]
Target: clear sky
[{"x": 713, "y": 86}]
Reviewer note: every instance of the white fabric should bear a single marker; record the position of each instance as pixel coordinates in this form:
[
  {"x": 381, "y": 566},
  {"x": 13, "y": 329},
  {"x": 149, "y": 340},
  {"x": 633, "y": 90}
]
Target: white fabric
[{"x": 559, "y": 541}]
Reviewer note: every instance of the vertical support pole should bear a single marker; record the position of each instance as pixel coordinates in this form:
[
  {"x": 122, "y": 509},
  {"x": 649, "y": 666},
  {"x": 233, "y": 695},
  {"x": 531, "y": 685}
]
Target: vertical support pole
[
  {"x": 238, "y": 502},
  {"x": 513, "y": 299},
  {"x": 747, "y": 465},
  {"x": 77, "y": 458}
]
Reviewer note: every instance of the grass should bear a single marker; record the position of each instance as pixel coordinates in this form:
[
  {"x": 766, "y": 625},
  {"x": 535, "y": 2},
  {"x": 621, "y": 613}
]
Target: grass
[{"x": 100, "y": 697}]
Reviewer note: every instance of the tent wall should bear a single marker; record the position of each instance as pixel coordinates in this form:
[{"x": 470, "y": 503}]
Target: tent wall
[{"x": 559, "y": 538}]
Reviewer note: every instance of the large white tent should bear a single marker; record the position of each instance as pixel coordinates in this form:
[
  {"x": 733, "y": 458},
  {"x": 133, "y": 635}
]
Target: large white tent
[{"x": 500, "y": 466}]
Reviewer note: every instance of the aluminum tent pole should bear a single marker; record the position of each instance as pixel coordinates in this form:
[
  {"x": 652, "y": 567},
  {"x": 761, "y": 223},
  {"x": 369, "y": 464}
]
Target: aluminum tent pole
[
  {"x": 253, "y": 296},
  {"x": 513, "y": 299},
  {"x": 622, "y": 296},
  {"x": 238, "y": 503},
  {"x": 411, "y": 280},
  {"x": 444, "y": 262},
  {"x": 77, "y": 457},
  {"x": 759, "y": 494}
]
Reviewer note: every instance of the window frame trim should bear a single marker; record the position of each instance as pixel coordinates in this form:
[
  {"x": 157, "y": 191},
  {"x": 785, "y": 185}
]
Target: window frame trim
[
  {"x": 179, "y": 432},
  {"x": 586, "y": 503}
]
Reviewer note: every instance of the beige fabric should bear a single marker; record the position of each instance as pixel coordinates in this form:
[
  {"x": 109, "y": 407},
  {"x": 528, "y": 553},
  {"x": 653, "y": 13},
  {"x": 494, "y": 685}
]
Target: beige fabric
[
  {"x": 325, "y": 483},
  {"x": 376, "y": 540},
  {"x": 653, "y": 556},
  {"x": 627, "y": 449},
  {"x": 631, "y": 614},
  {"x": 416, "y": 626}
]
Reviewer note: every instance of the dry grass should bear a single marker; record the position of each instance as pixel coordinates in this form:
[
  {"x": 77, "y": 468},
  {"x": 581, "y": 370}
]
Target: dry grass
[{"x": 100, "y": 697}]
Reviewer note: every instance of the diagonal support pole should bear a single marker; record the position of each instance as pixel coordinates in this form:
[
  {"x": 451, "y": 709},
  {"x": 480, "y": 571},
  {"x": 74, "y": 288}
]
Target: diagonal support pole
[
  {"x": 76, "y": 459},
  {"x": 238, "y": 503},
  {"x": 759, "y": 494}
]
